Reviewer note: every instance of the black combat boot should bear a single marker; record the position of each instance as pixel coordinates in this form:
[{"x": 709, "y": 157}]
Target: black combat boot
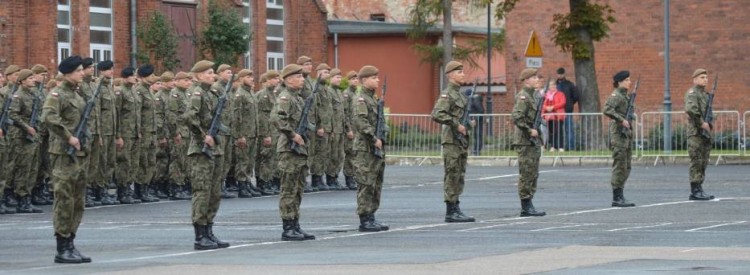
[
  {"x": 264, "y": 188},
  {"x": 302, "y": 232},
  {"x": 178, "y": 193},
  {"x": 10, "y": 198},
  {"x": 453, "y": 213},
  {"x": 25, "y": 206},
  {"x": 276, "y": 185},
  {"x": 254, "y": 191},
  {"x": 618, "y": 199},
  {"x": 37, "y": 198},
  {"x": 202, "y": 241},
  {"x": 4, "y": 209},
  {"x": 225, "y": 194},
  {"x": 65, "y": 254},
  {"x": 333, "y": 183},
  {"x": 700, "y": 186},
  {"x": 103, "y": 194},
  {"x": 231, "y": 184},
  {"x": 75, "y": 251},
  {"x": 383, "y": 227},
  {"x": 528, "y": 210},
  {"x": 125, "y": 195},
  {"x": 243, "y": 190},
  {"x": 92, "y": 194},
  {"x": 697, "y": 193},
  {"x": 290, "y": 233},
  {"x": 366, "y": 225},
  {"x": 88, "y": 199},
  {"x": 162, "y": 191},
  {"x": 317, "y": 182},
  {"x": 350, "y": 182},
  {"x": 210, "y": 233},
  {"x": 309, "y": 188},
  {"x": 141, "y": 193}
]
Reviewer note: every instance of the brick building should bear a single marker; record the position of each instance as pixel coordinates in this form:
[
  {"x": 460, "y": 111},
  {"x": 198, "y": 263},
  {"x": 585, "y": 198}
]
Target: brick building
[{"x": 708, "y": 34}]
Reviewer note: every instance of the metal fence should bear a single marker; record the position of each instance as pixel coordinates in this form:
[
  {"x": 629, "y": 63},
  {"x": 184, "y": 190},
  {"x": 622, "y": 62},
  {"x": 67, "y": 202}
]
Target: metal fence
[
  {"x": 726, "y": 134},
  {"x": 745, "y": 142}
]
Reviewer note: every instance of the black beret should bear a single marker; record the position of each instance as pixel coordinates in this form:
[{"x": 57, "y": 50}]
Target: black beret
[
  {"x": 70, "y": 64},
  {"x": 105, "y": 65},
  {"x": 127, "y": 72},
  {"x": 620, "y": 76},
  {"x": 145, "y": 70},
  {"x": 87, "y": 62},
  {"x": 561, "y": 70}
]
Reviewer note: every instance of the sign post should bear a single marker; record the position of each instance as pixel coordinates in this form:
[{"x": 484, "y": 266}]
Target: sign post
[{"x": 533, "y": 52}]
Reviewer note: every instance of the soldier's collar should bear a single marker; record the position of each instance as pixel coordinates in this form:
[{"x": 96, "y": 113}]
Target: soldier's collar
[
  {"x": 69, "y": 85},
  {"x": 127, "y": 84},
  {"x": 247, "y": 88},
  {"x": 453, "y": 86},
  {"x": 699, "y": 88},
  {"x": 204, "y": 86},
  {"x": 88, "y": 78}
]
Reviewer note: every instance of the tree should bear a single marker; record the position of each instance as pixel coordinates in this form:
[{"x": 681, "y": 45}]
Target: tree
[
  {"x": 225, "y": 37},
  {"x": 158, "y": 42}
]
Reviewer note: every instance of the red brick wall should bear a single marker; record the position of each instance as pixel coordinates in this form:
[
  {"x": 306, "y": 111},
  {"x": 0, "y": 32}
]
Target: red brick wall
[
  {"x": 306, "y": 32},
  {"x": 708, "y": 34}
]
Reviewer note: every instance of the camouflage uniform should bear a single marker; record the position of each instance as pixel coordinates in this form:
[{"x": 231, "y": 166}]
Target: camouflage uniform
[
  {"x": 699, "y": 146},
  {"x": 245, "y": 125},
  {"x": 128, "y": 107},
  {"x": 349, "y": 96},
  {"x": 162, "y": 155},
  {"x": 177, "y": 107},
  {"x": 369, "y": 169},
  {"x": 108, "y": 119},
  {"x": 147, "y": 143},
  {"x": 621, "y": 145},
  {"x": 448, "y": 111},
  {"x": 321, "y": 113},
  {"x": 292, "y": 166},
  {"x": 336, "y": 137},
  {"x": 23, "y": 152},
  {"x": 524, "y": 112},
  {"x": 87, "y": 90},
  {"x": 265, "y": 166},
  {"x": 227, "y": 142}
]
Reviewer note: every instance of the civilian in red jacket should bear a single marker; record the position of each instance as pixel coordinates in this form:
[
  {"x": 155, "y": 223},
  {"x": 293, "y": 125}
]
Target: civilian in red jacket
[{"x": 553, "y": 112}]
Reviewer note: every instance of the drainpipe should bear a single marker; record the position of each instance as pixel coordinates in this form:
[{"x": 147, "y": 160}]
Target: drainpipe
[
  {"x": 336, "y": 49},
  {"x": 133, "y": 36}
]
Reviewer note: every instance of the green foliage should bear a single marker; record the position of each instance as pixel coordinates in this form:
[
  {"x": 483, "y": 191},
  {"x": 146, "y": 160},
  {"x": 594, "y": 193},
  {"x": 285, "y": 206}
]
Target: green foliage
[
  {"x": 157, "y": 42},
  {"x": 592, "y": 17},
  {"x": 225, "y": 37}
]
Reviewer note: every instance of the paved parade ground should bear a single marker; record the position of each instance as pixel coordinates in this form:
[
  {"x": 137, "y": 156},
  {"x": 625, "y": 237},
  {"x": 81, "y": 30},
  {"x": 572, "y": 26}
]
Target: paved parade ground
[{"x": 665, "y": 233}]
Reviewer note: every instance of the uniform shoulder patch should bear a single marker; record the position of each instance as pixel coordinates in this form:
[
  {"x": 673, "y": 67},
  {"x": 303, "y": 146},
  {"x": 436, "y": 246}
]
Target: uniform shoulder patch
[
  {"x": 444, "y": 96},
  {"x": 197, "y": 93},
  {"x": 118, "y": 93},
  {"x": 214, "y": 90},
  {"x": 175, "y": 95},
  {"x": 284, "y": 98},
  {"x": 346, "y": 95},
  {"x": 692, "y": 91},
  {"x": 265, "y": 96},
  {"x": 54, "y": 94},
  {"x": 237, "y": 95},
  {"x": 614, "y": 94},
  {"x": 15, "y": 96},
  {"x": 522, "y": 97}
]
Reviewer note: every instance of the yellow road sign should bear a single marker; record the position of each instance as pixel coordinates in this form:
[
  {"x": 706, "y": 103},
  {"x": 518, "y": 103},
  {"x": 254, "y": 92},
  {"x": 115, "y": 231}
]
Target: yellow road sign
[{"x": 533, "y": 48}]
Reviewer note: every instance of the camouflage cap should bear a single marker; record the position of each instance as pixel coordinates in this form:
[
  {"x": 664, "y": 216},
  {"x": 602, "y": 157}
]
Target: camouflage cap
[
  {"x": 39, "y": 69},
  {"x": 223, "y": 67},
  {"x": 12, "y": 69},
  {"x": 351, "y": 74},
  {"x": 323, "y": 66},
  {"x": 181, "y": 75},
  {"x": 244, "y": 73},
  {"x": 24, "y": 74},
  {"x": 453, "y": 66},
  {"x": 202, "y": 66},
  {"x": 699, "y": 72},
  {"x": 526, "y": 73},
  {"x": 291, "y": 69},
  {"x": 367, "y": 71},
  {"x": 166, "y": 76},
  {"x": 335, "y": 71},
  {"x": 303, "y": 59}
]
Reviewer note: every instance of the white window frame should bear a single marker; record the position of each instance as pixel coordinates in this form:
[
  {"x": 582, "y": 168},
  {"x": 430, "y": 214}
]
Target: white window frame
[
  {"x": 246, "y": 21},
  {"x": 64, "y": 45},
  {"x": 102, "y": 48},
  {"x": 275, "y": 60}
]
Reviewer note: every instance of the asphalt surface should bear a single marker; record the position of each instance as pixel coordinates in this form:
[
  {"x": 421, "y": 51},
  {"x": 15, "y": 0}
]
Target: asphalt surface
[{"x": 665, "y": 233}]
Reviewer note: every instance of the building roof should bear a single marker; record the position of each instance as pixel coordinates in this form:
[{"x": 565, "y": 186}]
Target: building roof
[{"x": 352, "y": 27}]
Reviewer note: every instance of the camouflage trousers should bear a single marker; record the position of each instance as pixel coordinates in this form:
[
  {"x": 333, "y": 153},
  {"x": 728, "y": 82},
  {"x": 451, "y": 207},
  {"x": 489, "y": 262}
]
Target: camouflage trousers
[
  {"x": 24, "y": 156},
  {"x": 454, "y": 163},
  {"x": 147, "y": 159},
  {"x": 320, "y": 152},
  {"x": 69, "y": 185},
  {"x": 227, "y": 145},
  {"x": 348, "y": 156},
  {"x": 93, "y": 174},
  {"x": 528, "y": 170},
  {"x": 163, "y": 160},
  {"x": 243, "y": 170},
  {"x": 178, "y": 164},
  {"x": 369, "y": 176},
  {"x": 127, "y": 162},
  {"x": 43, "y": 172},
  {"x": 107, "y": 161},
  {"x": 206, "y": 181},
  {"x": 621, "y": 158},
  {"x": 293, "y": 171},
  {"x": 336, "y": 156},
  {"x": 699, "y": 149},
  {"x": 265, "y": 162}
]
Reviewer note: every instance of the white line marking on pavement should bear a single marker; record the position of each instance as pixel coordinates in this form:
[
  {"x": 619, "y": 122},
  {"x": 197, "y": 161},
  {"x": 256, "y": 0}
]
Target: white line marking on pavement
[
  {"x": 665, "y": 203},
  {"x": 588, "y": 211},
  {"x": 714, "y": 226},
  {"x": 490, "y": 226},
  {"x": 561, "y": 227},
  {"x": 689, "y": 250},
  {"x": 639, "y": 227}
]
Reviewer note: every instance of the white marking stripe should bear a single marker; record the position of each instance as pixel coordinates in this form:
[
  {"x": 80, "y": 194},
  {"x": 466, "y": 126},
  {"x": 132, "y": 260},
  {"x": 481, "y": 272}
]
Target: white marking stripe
[
  {"x": 665, "y": 203},
  {"x": 562, "y": 227},
  {"x": 588, "y": 211},
  {"x": 639, "y": 227},
  {"x": 715, "y": 226},
  {"x": 490, "y": 226}
]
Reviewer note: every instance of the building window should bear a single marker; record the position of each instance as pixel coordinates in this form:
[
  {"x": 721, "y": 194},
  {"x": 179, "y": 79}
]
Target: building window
[
  {"x": 100, "y": 32},
  {"x": 377, "y": 17},
  {"x": 275, "y": 34},
  {"x": 63, "y": 30},
  {"x": 246, "y": 14}
]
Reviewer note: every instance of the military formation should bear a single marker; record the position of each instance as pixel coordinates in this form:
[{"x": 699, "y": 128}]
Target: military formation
[{"x": 209, "y": 134}]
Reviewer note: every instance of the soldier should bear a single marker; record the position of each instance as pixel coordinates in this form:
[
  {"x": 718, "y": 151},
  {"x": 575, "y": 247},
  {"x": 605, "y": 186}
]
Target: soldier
[
  {"x": 265, "y": 166},
  {"x": 128, "y": 107},
  {"x": 449, "y": 110},
  {"x": 321, "y": 112},
  {"x": 207, "y": 169},
  {"x": 699, "y": 134},
  {"x": 62, "y": 113},
  {"x": 107, "y": 121},
  {"x": 147, "y": 142},
  {"x": 306, "y": 63},
  {"x": 58, "y": 79},
  {"x": 336, "y": 137},
  {"x": 23, "y": 140},
  {"x": 224, "y": 74},
  {"x": 11, "y": 74},
  {"x": 88, "y": 89},
  {"x": 161, "y": 178},
  {"x": 40, "y": 194},
  {"x": 177, "y": 107},
  {"x": 526, "y": 141},
  {"x": 292, "y": 163},
  {"x": 619, "y": 142},
  {"x": 245, "y": 128},
  {"x": 369, "y": 169},
  {"x": 349, "y": 95}
]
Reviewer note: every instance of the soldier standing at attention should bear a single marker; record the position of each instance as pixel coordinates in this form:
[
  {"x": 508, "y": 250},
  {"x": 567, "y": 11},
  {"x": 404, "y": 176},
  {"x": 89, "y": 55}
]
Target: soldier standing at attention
[
  {"x": 62, "y": 113},
  {"x": 11, "y": 74},
  {"x": 161, "y": 178},
  {"x": 699, "y": 134},
  {"x": 206, "y": 169},
  {"x": 177, "y": 107},
  {"x": 292, "y": 163},
  {"x": 307, "y": 66},
  {"x": 245, "y": 133},
  {"x": 527, "y": 142},
  {"x": 224, "y": 74},
  {"x": 349, "y": 95},
  {"x": 128, "y": 107},
  {"x": 369, "y": 168},
  {"x": 448, "y": 111},
  {"x": 321, "y": 113},
  {"x": 336, "y": 137},
  {"x": 41, "y": 173},
  {"x": 108, "y": 120},
  {"x": 87, "y": 92},
  {"x": 620, "y": 143},
  {"x": 147, "y": 143},
  {"x": 265, "y": 166}
]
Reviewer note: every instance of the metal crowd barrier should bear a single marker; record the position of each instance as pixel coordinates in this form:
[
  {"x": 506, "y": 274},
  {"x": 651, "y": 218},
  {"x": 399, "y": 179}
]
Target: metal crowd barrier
[
  {"x": 726, "y": 134},
  {"x": 745, "y": 142}
]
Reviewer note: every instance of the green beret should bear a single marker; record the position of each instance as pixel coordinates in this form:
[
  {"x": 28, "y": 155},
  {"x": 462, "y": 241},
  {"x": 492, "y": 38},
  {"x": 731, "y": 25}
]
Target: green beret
[
  {"x": 39, "y": 69},
  {"x": 526, "y": 73},
  {"x": 243, "y": 73},
  {"x": 59, "y": 77},
  {"x": 695, "y": 74},
  {"x": 323, "y": 66},
  {"x": 335, "y": 71},
  {"x": 223, "y": 67},
  {"x": 453, "y": 66},
  {"x": 181, "y": 75},
  {"x": 12, "y": 69},
  {"x": 272, "y": 74},
  {"x": 303, "y": 59},
  {"x": 263, "y": 78},
  {"x": 351, "y": 74},
  {"x": 166, "y": 76},
  {"x": 70, "y": 64},
  {"x": 367, "y": 71},
  {"x": 291, "y": 69},
  {"x": 24, "y": 74},
  {"x": 201, "y": 66}
]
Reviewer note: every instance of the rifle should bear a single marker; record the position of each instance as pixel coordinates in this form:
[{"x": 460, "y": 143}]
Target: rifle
[
  {"x": 303, "y": 119},
  {"x": 80, "y": 130},
  {"x": 213, "y": 130},
  {"x": 465, "y": 121},
  {"x": 537, "y": 125},
  {"x": 380, "y": 124},
  {"x": 35, "y": 108},
  {"x": 629, "y": 115},
  {"x": 708, "y": 116},
  {"x": 5, "y": 116}
]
